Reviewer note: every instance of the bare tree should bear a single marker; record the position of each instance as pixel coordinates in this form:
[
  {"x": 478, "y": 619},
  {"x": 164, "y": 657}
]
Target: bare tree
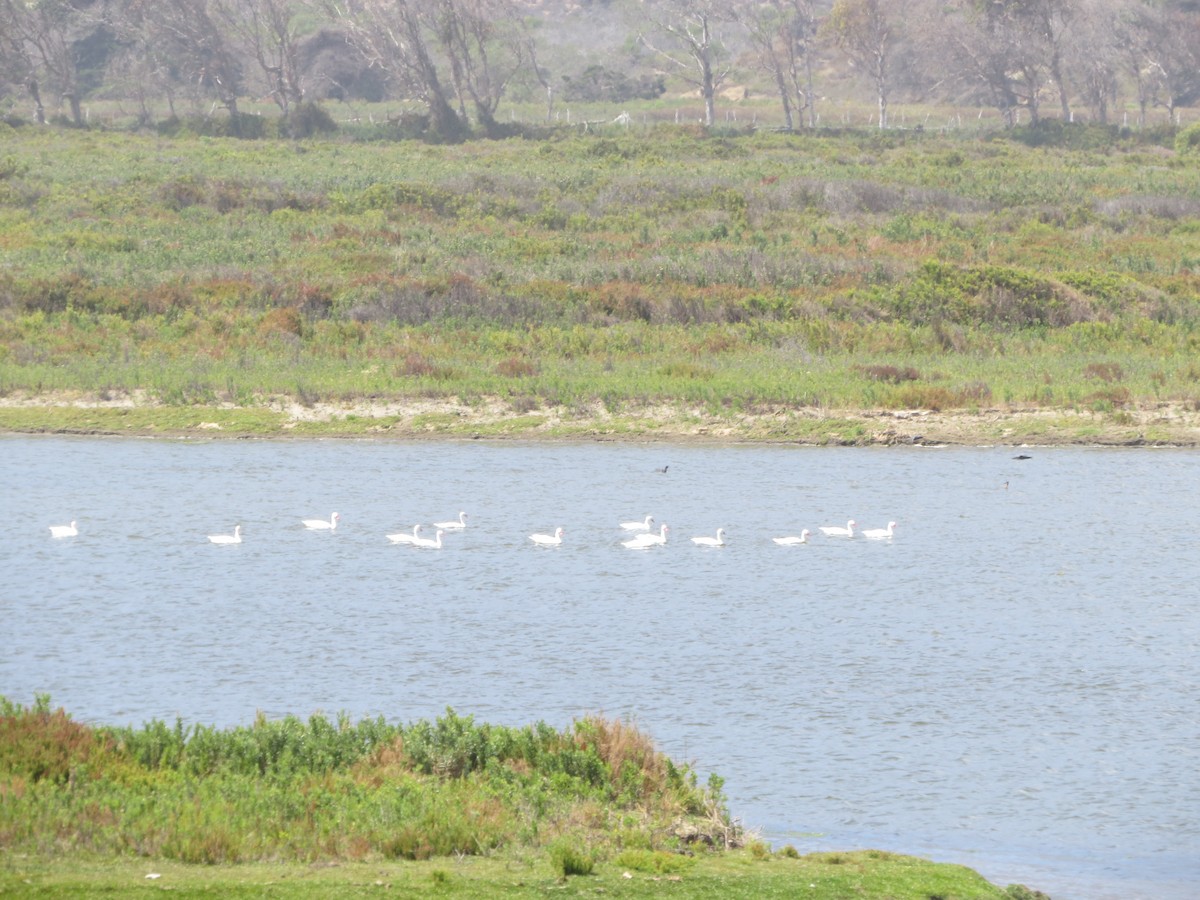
[
  {"x": 1094, "y": 55},
  {"x": 441, "y": 51},
  {"x": 783, "y": 34},
  {"x": 391, "y": 37},
  {"x": 188, "y": 47},
  {"x": 865, "y": 30},
  {"x": 687, "y": 34},
  {"x": 986, "y": 49},
  {"x": 485, "y": 44},
  {"x": 38, "y": 39},
  {"x": 267, "y": 31},
  {"x": 1051, "y": 24},
  {"x": 1171, "y": 51}
]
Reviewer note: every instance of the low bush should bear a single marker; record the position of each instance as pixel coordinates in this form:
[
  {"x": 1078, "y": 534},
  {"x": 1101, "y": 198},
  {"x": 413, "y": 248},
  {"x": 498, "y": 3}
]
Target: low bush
[
  {"x": 331, "y": 789},
  {"x": 569, "y": 859}
]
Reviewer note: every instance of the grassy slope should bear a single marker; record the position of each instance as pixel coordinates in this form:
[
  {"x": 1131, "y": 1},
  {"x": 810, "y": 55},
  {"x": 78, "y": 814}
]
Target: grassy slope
[{"x": 722, "y": 277}]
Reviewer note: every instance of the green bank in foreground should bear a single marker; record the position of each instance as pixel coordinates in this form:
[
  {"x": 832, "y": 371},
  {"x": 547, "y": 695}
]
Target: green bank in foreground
[
  {"x": 311, "y": 808},
  {"x": 822, "y": 876}
]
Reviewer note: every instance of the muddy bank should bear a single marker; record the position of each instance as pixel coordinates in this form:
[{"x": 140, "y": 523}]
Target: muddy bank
[{"x": 1160, "y": 424}]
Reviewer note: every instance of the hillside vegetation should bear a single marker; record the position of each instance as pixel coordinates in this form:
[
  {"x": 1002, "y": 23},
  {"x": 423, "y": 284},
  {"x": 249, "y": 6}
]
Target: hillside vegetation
[{"x": 582, "y": 274}]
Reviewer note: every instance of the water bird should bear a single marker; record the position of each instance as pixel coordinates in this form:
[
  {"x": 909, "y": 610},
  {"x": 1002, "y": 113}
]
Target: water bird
[
  {"x": 548, "y": 540},
  {"x": 662, "y": 470},
  {"x": 638, "y": 526},
  {"x": 880, "y": 532},
  {"x": 644, "y": 541},
  {"x": 837, "y": 531},
  {"x": 235, "y": 538},
  {"x": 433, "y": 543},
  {"x": 453, "y": 525},
  {"x": 404, "y": 537},
  {"x": 64, "y": 530},
  {"x": 318, "y": 524},
  {"x": 792, "y": 540},
  {"x": 718, "y": 541},
  {"x": 1022, "y": 456}
]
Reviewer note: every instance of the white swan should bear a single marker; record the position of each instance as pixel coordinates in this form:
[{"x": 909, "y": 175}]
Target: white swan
[
  {"x": 638, "y": 526},
  {"x": 433, "y": 543},
  {"x": 878, "y": 533},
  {"x": 404, "y": 537},
  {"x": 64, "y": 530},
  {"x": 548, "y": 540},
  {"x": 318, "y": 524},
  {"x": 235, "y": 538},
  {"x": 718, "y": 541},
  {"x": 793, "y": 540},
  {"x": 836, "y": 531},
  {"x": 645, "y": 541},
  {"x": 456, "y": 525}
]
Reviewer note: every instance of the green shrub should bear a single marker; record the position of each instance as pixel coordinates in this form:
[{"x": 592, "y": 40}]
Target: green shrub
[
  {"x": 1188, "y": 140},
  {"x": 569, "y": 859}
]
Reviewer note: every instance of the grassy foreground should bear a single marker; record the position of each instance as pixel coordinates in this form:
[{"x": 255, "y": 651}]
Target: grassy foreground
[
  {"x": 293, "y": 808},
  {"x": 647, "y": 282}
]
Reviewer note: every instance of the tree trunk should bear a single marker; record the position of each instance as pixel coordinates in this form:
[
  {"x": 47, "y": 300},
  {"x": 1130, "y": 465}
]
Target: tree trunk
[
  {"x": 76, "y": 108},
  {"x": 808, "y": 96},
  {"x": 784, "y": 98},
  {"x": 710, "y": 108},
  {"x": 39, "y": 111}
]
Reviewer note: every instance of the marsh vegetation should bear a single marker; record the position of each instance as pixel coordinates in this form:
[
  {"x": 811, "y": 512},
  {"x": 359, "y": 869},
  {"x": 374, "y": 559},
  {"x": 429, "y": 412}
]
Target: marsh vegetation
[{"x": 721, "y": 274}]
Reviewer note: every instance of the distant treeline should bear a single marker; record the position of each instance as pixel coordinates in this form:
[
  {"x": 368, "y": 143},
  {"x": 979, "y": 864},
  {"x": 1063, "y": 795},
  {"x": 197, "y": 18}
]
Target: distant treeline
[{"x": 453, "y": 63}]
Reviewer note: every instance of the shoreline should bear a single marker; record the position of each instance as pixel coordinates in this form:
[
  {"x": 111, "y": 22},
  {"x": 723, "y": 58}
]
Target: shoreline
[{"x": 1162, "y": 424}]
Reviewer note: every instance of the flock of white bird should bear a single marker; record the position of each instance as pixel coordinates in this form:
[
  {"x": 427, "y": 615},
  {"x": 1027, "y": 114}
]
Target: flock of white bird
[{"x": 644, "y": 536}]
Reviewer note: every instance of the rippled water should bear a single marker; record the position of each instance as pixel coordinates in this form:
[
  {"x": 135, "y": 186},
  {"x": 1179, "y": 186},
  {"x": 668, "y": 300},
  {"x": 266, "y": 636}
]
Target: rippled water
[{"x": 1011, "y": 683}]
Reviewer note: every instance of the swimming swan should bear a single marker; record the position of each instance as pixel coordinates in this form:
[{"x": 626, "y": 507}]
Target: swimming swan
[
  {"x": 318, "y": 524},
  {"x": 793, "y": 540},
  {"x": 718, "y": 541},
  {"x": 638, "y": 526},
  {"x": 835, "y": 531},
  {"x": 433, "y": 543},
  {"x": 548, "y": 540},
  {"x": 64, "y": 530},
  {"x": 878, "y": 533},
  {"x": 645, "y": 541},
  {"x": 235, "y": 538},
  {"x": 458, "y": 525},
  {"x": 404, "y": 537}
]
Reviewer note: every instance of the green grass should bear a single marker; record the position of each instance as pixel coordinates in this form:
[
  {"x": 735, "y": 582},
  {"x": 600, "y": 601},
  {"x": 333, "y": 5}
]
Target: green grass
[{"x": 869, "y": 875}]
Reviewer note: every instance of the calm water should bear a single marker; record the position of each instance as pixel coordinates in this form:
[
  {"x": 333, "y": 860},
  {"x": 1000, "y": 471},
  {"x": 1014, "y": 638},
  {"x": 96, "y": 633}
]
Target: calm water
[{"x": 1011, "y": 683}]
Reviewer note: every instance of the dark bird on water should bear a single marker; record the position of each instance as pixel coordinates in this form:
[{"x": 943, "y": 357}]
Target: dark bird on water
[
  {"x": 662, "y": 470},
  {"x": 1022, "y": 456}
]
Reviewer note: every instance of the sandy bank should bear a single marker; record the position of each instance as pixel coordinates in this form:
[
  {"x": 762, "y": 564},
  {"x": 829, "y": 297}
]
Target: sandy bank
[{"x": 136, "y": 413}]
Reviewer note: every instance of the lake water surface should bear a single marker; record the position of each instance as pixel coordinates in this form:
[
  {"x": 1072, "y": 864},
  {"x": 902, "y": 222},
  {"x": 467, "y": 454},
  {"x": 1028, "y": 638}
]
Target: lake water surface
[{"x": 1011, "y": 683}]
